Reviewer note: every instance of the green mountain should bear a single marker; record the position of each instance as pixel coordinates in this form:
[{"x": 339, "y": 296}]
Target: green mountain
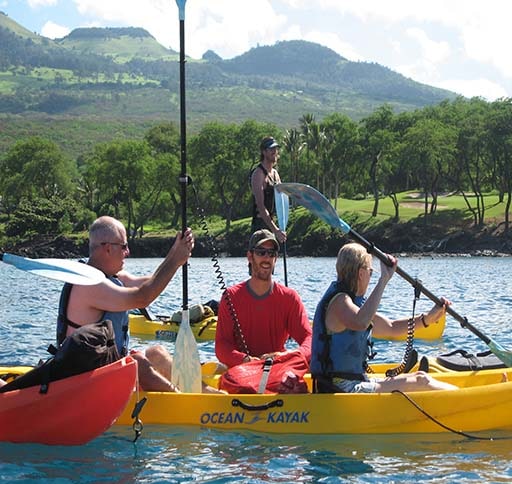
[
  {"x": 16, "y": 28},
  {"x": 120, "y": 44},
  {"x": 119, "y": 80}
]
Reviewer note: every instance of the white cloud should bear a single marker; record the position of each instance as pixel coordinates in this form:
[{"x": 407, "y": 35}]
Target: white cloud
[
  {"x": 119, "y": 11},
  {"x": 484, "y": 88},
  {"x": 492, "y": 46},
  {"x": 41, "y": 3},
  {"x": 229, "y": 27},
  {"x": 434, "y": 52},
  {"x": 54, "y": 31},
  {"x": 429, "y": 59},
  {"x": 421, "y": 70}
]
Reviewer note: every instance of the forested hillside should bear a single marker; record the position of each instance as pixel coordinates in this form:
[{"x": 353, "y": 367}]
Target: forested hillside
[
  {"x": 102, "y": 75},
  {"x": 446, "y": 167},
  {"x": 89, "y": 125}
]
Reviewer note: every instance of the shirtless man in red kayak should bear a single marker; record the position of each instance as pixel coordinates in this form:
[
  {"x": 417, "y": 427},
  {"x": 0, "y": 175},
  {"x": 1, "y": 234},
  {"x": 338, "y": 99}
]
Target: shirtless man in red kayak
[{"x": 120, "y": 292}]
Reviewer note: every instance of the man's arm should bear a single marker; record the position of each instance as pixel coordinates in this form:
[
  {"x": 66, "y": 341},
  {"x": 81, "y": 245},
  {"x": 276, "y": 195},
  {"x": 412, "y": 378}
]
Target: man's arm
[
  {"x": 130, "y": 280},
  {"x": 86, "y": 302}
]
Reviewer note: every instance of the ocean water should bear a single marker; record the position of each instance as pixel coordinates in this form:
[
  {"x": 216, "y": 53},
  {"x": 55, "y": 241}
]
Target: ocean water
[{"x": 479, "y": 288}]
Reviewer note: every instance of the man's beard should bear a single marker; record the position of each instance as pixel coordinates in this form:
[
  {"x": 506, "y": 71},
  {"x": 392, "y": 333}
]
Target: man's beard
[{"x": 263, "y": 274}]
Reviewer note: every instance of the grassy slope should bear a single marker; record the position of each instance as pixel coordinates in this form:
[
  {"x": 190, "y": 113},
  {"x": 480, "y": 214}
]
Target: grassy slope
[
  {"x": 76, "y": 136},
  {"x": 8, "y": 23},
  {"x": 452, "y": 211},
  {"x": 143, "y": 107},
  {"x": 123, "y": 49}
]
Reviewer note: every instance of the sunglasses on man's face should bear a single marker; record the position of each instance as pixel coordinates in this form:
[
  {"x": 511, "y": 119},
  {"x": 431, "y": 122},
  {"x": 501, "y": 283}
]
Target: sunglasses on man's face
[
  {"x": 123, "y": 246},
  {"x": 264, "y": 252}
]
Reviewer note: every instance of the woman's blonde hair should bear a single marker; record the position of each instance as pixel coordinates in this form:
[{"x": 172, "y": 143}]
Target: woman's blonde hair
[{"x": 351, "y": 257}]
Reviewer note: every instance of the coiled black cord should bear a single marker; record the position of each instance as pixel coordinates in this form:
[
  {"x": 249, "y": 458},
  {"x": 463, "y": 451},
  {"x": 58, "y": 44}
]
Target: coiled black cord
[
  {"x": 210, "y": 244},
  {"x": 409, "y": 347}
]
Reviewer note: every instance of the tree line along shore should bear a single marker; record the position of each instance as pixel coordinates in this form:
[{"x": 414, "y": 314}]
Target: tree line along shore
[
  {"x": 433, "y": 180},
  {"x": 395, "y": 238}
]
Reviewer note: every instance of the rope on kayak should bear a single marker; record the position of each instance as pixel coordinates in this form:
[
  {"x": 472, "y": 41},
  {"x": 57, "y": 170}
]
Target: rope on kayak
[
  {"x": 239, "y": 337},
  {"x": 458, "y": 432}
]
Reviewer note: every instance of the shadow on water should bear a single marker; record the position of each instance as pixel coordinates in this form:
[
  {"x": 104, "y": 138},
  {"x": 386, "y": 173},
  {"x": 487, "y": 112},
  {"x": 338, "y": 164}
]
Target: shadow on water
[
  {"x": 217, "y": 456},
  {"x": 248, "y": 457},
  {"x": 180, "y": 454}
]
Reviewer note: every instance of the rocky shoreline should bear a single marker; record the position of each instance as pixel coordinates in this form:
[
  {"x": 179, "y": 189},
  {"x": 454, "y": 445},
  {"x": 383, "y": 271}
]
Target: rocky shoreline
[{"x": 395, "y": 239}]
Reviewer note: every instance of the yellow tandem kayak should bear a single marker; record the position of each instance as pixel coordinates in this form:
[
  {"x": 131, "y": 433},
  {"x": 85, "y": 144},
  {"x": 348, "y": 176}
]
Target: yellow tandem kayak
[
  {"x": 482, "y": 403},
  {"x": 204, "y": 330}
]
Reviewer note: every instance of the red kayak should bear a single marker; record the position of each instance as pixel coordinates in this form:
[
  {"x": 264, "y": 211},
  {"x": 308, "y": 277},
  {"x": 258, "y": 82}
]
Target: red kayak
[{"x": 74, "y": 411}]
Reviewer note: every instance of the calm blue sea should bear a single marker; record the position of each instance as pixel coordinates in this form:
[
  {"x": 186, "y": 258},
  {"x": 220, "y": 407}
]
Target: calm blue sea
[{"x": 480, "y": 289}]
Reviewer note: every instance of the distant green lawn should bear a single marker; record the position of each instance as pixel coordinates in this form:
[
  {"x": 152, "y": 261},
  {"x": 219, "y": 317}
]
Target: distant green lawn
[
  {"x": 452, "y": 211},
  {"x": 412, "y": 206},
  {"x": 450, "y": 208}
]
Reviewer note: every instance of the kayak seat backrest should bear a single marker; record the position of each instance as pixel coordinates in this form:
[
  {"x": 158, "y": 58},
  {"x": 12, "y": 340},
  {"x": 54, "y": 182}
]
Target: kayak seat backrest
[{"x": 461, "y": 360}]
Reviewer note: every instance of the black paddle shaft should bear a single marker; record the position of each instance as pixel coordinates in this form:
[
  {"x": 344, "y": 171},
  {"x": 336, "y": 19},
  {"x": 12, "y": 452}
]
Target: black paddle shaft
[
  {"x": 417, "y": 285},
  {"x": 284, "y": 265},
  {"x": 183, "y": 138}
]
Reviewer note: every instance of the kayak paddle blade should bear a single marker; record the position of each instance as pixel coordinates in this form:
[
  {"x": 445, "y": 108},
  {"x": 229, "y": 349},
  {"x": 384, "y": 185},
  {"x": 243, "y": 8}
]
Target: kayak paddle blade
[
  {"x": 59, "y": 269},
  {"x": 282, "y": 209},
  {"x": 315, "y": 202},
  {"x": 500, "y": 352},
  {"x": 186, "y": 365}
]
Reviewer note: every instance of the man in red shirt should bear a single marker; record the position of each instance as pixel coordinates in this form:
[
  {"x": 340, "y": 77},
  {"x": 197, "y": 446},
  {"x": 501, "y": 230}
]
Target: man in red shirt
[{"x": 256, "y": 317}]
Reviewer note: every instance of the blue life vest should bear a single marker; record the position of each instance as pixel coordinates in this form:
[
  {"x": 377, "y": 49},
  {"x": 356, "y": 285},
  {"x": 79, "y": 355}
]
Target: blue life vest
[
  {"x": 119, "y": 320},
  {"x": 344, "y": 354}
]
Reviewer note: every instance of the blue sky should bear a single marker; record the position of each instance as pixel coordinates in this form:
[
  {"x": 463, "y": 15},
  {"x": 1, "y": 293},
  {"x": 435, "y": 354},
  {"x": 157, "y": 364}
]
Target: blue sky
[{"x": 461, "y": 45}]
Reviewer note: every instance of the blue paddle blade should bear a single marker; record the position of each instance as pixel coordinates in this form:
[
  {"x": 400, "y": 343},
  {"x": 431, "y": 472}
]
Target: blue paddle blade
[
  {"x": 282, "y": 208},
  {"x": 500, "y": 352},
  {"x": 59, "y": 269},
  {"x": 181, "y": 8},
  {"x": 315, "y": 202}
]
